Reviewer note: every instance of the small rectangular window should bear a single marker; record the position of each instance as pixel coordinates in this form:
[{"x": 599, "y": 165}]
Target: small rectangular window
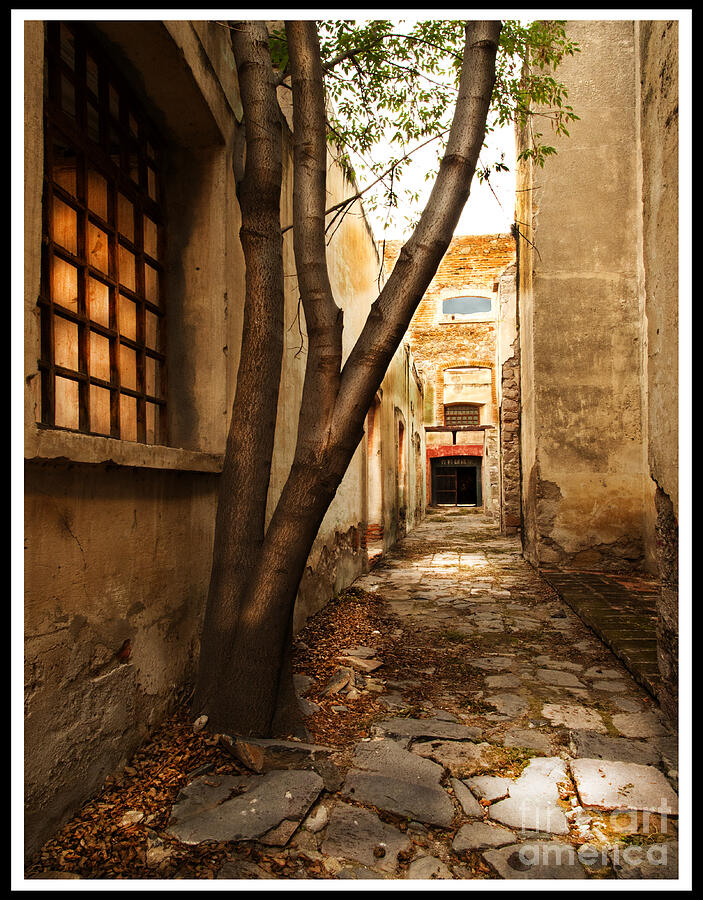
[
  {"x": 466, "y": 306},
  {"x": 461, "y": 415}
]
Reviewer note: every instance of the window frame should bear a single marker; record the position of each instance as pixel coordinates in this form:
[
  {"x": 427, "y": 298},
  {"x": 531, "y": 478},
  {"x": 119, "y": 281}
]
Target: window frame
[
  {"x": 457, "y": 317},
  {"x": 462, "y": 426},
  {"x": 99, "y": 90}
]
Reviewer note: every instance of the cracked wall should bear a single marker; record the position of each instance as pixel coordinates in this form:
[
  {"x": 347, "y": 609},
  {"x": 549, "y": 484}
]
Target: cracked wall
[
  {"x": 659, "y": 106},
  {"x": 581, "y": 331},
  {"x": 113, "y": 554},
  {"x": 598, "y": 306}
]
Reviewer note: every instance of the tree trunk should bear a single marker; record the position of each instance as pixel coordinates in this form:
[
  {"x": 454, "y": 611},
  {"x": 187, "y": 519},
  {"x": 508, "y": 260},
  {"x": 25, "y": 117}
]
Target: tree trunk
[
  {"x": 254, "y": 690},
  {"x": 243, "y": 489}
]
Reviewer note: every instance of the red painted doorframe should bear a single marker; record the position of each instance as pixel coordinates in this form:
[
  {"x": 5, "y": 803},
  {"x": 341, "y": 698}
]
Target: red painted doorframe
[{"x": 448, "y": 450}]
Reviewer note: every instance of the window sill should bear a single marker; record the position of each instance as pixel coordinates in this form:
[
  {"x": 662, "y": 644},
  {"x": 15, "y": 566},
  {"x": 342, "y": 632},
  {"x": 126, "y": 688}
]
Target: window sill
[
  {"x": 48, "y": 444},
  {"x": 466, "y": 320}
]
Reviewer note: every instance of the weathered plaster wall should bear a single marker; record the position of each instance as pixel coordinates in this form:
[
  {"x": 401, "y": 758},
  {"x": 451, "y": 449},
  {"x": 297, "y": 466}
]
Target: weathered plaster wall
[
  {"x": 658, "y": 71},
  {"x": 119, "y": 534},
  {"x": 580, "y": 325},
  {"x": 114, "y": 553},
  {"x": 403, "y": 439}
]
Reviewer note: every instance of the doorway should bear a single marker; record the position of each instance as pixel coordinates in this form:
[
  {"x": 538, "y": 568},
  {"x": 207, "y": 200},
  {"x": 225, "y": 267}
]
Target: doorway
[
  {"x": 456, "y": 481},
  {"x": 466, "y": 486}
]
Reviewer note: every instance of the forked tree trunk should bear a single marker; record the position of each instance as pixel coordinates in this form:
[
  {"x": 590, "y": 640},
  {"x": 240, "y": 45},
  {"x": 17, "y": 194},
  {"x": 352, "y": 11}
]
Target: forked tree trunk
[{"x": 253, "y": 676}]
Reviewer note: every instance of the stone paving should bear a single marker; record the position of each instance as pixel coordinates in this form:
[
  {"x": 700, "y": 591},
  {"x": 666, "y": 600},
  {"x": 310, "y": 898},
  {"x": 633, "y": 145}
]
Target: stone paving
[{"x": 547, "y": 761}]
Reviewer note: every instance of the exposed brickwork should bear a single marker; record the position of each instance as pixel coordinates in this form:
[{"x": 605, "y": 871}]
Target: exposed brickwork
[
  {"x": 511, "y": 513},
  {"x": 472, "y": 266},
  {"x": 667, "y": 530},
  {"x": 373, "y": 533}
]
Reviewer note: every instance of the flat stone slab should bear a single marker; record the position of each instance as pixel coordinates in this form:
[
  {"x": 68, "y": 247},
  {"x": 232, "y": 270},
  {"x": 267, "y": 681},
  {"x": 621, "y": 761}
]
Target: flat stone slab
[
  {"x": 358, "y": 834},
  {"x": 559, "y": 678},
  {"x": 265, "y": 754},
  {"x": 427, "y": 729},
  {"x": 612, "y": 687},
  {"x": 502, "y": 681},
  {"x": 240, "y": 869},
  {"x": 603, "y": 672},
  {"x": 638, "y": 725},
  {"x": 492, "y": 663},
  {"x": 489, "y": 787},
  {"x": 461, "y": 758},
  {"x": 573, "y": 715},
  {"x": 529, "y": 738},
  {"x": 360, "y": 652},
  {"x": 266, "y": 807},
  {"x": 481, "y": 835},
  {"x": 609, "y": 785},
  {"x": 393, "y": 700},
  {"x": 659, "y": 860},
  {"x": 469, "y": 804},
  {"x": 361, "y": 664},
  {"x": 549, "y": 860},
  {"x": 532, "y": 802},
  {"x": 391, "y": 778},
  {"x": 508, "y": 704},
  {"x": 361, "y": 873},
  {"x": 262, "y": 755},
  {"x": 427, "y": 868},
  {"x": 591, "y": 745}
]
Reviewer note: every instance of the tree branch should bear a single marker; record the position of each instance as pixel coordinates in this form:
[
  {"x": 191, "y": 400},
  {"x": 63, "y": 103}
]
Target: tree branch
[
  {"x": 323, "y": 317},
  {"x": 418, "y": 260}
]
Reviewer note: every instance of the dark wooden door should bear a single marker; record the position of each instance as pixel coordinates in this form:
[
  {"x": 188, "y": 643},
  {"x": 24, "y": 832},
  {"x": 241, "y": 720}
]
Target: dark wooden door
[
  {"x": 445, "y": 487},
  {"x": 466, "y": 486}
]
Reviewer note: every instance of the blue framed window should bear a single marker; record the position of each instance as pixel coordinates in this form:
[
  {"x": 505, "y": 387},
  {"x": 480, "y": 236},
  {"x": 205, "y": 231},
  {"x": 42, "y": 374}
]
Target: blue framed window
[{"x": 466, "y": 306}]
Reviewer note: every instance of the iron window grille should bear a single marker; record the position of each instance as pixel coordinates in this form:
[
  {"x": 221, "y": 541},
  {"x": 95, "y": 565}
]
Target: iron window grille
[
  {"x": 103, "y": 361},
  {"x": 461, "y": 415}
]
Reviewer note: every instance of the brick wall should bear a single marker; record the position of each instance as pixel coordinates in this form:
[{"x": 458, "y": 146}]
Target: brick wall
[{"x": 472, "y": 266}]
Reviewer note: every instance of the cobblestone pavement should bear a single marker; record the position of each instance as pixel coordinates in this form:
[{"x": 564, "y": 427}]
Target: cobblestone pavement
[{"x": 540, "y": 757}]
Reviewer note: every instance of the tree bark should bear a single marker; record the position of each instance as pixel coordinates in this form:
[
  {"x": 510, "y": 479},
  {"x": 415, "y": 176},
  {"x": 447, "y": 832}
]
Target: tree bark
[
  {"x": 255, "y": 695},
  {"x": 243, "y": 489}
]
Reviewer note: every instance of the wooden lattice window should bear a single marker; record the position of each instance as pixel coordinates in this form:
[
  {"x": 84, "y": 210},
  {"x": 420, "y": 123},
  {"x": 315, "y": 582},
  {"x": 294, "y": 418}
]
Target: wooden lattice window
[
  {"x": 461, "y": 415},
  {"x": 103, "y": 363}
]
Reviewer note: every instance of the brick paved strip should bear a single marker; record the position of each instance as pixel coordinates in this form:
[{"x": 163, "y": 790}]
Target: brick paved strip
[{"x": 623, "y": 620}]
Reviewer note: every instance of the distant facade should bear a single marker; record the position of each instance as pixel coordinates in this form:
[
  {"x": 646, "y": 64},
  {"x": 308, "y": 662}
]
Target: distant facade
[
  {"x": 133, "y": 314},
  {"x": 455, "y": 339}
]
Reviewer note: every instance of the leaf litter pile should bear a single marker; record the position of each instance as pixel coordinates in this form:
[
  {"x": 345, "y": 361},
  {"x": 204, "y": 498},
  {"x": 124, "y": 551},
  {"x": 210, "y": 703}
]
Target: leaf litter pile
[{"x": 120, "y": 833}]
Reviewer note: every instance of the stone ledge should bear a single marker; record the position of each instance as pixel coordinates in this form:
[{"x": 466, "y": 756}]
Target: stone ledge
[{"x": 43, "y": 444}]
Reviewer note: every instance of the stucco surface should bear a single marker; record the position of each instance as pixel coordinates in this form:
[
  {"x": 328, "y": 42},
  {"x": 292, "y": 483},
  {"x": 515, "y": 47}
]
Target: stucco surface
[{"x": 581, "y": 328}]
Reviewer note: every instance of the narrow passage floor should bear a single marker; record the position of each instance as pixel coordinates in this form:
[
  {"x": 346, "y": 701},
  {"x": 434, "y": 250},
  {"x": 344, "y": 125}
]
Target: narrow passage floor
[{"x": 463, "y": 723}]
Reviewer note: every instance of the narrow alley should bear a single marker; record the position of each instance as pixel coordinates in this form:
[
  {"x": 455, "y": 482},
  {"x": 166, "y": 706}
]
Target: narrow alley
[{"x": 463, "y": 723}]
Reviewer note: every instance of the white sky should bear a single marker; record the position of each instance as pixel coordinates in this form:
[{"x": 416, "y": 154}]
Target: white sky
[{"x": 487, "y": 211}]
